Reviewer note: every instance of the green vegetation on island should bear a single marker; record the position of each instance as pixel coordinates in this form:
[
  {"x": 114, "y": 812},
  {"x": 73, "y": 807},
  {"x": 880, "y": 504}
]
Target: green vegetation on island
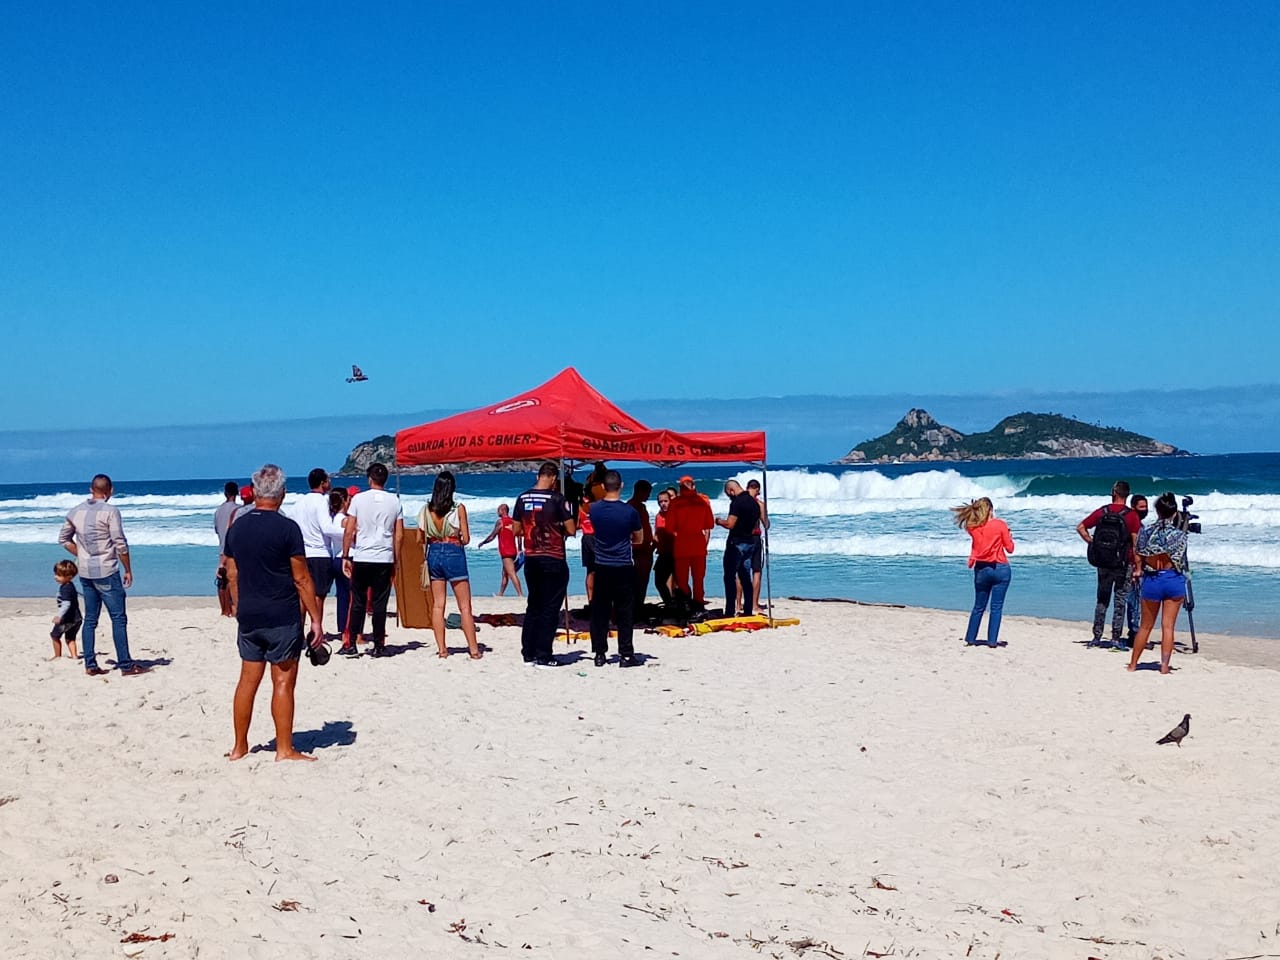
[{"x": 917, "y": 436}]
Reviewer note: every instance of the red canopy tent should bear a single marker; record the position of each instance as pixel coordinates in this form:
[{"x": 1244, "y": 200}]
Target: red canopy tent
[{"x": 566, "y": 419}]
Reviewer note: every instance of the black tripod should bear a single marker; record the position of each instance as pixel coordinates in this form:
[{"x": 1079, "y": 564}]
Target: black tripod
[{"x": 1186, "y": 524}]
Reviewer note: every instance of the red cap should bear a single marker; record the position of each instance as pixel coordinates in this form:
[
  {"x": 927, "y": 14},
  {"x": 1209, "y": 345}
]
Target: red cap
[
  {"x": 686, "y": 479},
  {"x": 246, "y": 493},
  {"x": 352, "y": 491}
]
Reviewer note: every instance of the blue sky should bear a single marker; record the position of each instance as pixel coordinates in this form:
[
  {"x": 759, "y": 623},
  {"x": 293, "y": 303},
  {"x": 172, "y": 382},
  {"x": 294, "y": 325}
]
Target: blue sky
[{"x": 209, "y": 212}]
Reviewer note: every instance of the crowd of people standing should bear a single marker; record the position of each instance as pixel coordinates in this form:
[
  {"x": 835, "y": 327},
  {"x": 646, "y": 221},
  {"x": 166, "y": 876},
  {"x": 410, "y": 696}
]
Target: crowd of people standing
[
  {"x": 1141, "y": 570},
  {"x": 353, "y": 541},
  {"x": 274, "y": 571}
]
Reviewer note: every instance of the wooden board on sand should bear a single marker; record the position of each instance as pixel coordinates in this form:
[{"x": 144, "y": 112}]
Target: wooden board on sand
[{"x": 413, "y": 604}]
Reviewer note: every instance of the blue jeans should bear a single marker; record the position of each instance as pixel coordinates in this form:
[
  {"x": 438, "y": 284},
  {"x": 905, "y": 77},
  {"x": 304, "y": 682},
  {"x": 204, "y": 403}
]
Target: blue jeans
[
  {"x": 737, "y": 572},
  {"x": 108, "y": 591},
  {"x": 990, "y": 583},
  {"x": 446, "y": 561}
]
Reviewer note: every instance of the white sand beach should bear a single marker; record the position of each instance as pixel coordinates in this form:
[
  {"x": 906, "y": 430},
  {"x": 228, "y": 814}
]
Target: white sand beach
[{"x": 859, "y": 785}]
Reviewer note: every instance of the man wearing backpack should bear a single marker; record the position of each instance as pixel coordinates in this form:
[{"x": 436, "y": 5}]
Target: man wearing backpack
[{"x": 1113, "y": 551}]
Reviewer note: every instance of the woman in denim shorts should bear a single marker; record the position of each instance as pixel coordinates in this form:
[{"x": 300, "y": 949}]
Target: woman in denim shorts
[
  {"x": 1162, "y": 546},
  {"x": 443, "y": 530}
]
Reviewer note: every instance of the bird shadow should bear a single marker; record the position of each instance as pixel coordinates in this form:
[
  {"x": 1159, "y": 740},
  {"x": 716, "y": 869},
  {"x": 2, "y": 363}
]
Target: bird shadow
[{"x": 334, "y": 733}]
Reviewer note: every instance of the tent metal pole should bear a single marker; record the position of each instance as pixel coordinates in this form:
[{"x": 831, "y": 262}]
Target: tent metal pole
[
  {"x": 395, "y": 468},
  {"x": 575, "y": 519},
  {"x": 768, "y": 579}
]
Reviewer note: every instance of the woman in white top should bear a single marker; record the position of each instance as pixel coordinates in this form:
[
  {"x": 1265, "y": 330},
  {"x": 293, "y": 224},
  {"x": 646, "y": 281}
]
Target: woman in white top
[
  {"x": 333, "y": 532},
  {"x": 444, "y": 532}
]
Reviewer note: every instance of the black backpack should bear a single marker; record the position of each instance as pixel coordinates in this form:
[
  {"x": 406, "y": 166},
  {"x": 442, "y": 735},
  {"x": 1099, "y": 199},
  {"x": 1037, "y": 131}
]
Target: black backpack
[{"x": 1111, "y": 541}]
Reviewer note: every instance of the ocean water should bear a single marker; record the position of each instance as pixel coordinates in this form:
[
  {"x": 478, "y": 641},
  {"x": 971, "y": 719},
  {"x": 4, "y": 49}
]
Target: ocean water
[{"x": 879, "y": 534}]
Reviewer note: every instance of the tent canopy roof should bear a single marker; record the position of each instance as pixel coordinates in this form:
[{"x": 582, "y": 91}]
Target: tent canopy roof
[{"x": 566, "y": 419}]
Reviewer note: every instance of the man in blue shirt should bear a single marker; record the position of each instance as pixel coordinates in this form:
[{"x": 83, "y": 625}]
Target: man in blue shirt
[
  {"x": 744, "y": 515},
  {"x": 618, "y": 528},
  {"x": 267, "y": 574}
]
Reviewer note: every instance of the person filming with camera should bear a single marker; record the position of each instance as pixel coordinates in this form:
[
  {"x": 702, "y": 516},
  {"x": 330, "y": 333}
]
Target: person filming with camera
[{"x": 1162, "y": 549}]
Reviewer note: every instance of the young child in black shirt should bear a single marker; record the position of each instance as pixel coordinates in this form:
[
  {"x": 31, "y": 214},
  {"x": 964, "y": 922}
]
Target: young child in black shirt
[{"x": 67, "y": 623}]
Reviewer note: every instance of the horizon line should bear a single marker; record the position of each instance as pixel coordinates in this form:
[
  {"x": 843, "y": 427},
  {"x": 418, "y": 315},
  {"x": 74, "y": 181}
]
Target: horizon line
[{"x": 450, "y": 411}]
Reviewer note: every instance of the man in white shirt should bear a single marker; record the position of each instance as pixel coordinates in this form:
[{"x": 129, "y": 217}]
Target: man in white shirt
[
  {"x": 370, "y": 551},
  {"x": 312, "y": 517},
  {"x": 221, "y": 521}
]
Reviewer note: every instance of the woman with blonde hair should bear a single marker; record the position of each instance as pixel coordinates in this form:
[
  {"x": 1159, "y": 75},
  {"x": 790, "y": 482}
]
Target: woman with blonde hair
[{"x": 988, "y": 556}]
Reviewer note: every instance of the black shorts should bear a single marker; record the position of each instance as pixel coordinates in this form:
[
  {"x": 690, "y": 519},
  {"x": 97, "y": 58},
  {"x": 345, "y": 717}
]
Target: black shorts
[
  {"x": 65, "y": 631},
  {"x": 270, "y": 644},
  {"x": 757, "y": 556},
  {"x": 321, "y": 570},
  {"x": 589, "y": 551}
]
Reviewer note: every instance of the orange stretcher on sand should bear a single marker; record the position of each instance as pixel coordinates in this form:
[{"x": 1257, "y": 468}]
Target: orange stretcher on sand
[{"x": 730, "y": 624}]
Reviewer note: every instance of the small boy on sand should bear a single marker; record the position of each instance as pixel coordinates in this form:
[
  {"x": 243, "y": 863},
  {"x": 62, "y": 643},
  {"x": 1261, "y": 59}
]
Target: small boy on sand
[{"x": 67, "y": 623}]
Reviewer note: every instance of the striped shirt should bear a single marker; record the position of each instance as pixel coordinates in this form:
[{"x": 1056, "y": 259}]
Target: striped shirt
[{"x": 99, "y": 535}]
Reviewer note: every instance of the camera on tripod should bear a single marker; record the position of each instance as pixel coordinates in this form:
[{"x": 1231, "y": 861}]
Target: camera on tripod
[{"x": 1186, "y": 519}]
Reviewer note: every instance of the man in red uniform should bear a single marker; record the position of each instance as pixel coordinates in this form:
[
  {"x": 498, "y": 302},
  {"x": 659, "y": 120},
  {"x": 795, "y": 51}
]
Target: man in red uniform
[{"x": 690, "y": 521}]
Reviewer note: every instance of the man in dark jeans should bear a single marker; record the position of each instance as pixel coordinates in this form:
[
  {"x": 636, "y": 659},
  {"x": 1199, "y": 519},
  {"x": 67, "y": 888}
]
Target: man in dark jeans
[
  {"x": 618, "y": 531},
  {"x": 744, "y": 515},
  {"x": 370, "y": 551},
  {"x": 1116, "y": 578},
  {"x": 544, "y": 519}
]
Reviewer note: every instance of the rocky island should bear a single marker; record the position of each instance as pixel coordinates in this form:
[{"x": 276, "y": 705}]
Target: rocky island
[
  {"x": 383, "y": 450},
  {"x": 1023, "y": 436}
]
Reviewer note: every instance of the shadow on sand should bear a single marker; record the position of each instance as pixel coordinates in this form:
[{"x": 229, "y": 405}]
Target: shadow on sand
[{"x": 334, "y": 733}]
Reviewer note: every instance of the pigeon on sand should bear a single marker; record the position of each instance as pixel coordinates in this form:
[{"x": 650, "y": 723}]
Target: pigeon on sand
[{"x": 1177, "y": 733}]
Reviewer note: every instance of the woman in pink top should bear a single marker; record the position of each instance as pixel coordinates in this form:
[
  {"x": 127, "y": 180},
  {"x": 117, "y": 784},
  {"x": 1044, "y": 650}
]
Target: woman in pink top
[{"x": 992, "y": 543}]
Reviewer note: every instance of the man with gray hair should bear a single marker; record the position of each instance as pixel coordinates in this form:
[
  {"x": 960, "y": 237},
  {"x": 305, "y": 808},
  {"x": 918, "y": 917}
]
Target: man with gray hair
[
  {"x": 94, "y": 535},
  {"x": 267, "y": 573}
]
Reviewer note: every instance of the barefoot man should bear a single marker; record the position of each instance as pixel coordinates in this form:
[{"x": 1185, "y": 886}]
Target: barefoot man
[{"x": 267, "y": 574}]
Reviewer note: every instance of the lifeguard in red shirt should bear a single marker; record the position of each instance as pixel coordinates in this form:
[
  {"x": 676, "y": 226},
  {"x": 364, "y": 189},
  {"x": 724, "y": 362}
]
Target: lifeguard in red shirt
[{"x": 690, "y": 522}]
